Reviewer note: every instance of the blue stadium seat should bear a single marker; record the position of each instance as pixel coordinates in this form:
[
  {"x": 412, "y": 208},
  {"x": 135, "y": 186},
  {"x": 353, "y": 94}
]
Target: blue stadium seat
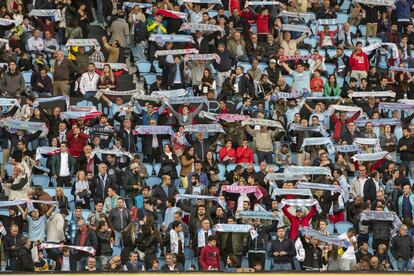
[
  {"x": 342, "y": 226},
  {"x": 246, "y": 66},
  {"x": 330, "y": 68},
  {"x": 156, "y": 64},
  {"x": 42, "y": 180},
  {"x": 342, "y": 17},
  {"x": 150, "y": 78},
  {"x": 157, "y": 168},
  {"x": 9, "y": 168},
  {"x": 149, "y": 168},
  {"x": 144, "y": 67},
  {"x": 153, "y": 180},
  {"x": 222, "y": 172}
]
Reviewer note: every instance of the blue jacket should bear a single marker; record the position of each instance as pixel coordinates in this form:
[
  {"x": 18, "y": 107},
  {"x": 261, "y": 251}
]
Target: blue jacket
[
  {"x": 403, "y": 9},
  {"x": 146, "y": 117},
  {"x": 400, "y": 203}
]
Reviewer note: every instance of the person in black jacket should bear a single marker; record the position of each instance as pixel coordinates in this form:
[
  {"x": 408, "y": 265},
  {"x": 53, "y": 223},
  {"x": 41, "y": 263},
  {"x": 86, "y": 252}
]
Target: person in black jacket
[
  {"x": 169, "y": 161},
  {"x": 341, "y": 62},
  {"x": 161, "y": 196},
  {"x": 370, "y": 187},
  {"x": 406, "y": 149},
  {"x": 283, "y": 251},
  {"x": 41, "y": 83},
  {"x": 101, "y": 183},
  {"x": 313, "y": 254},
  {"x": 402, "y": 248},
  {"x": 243, "y": 84},
  {"x": 224, "y": 66},
  {"x": 11, "y": 243},
  {"x": 62, "y": 256},
  {"x": 128, "y": 139},
  {"x": 20, "y": 135},
  {"x": 175, "y": 73},
  {"x": 104, "y": 251},
  {"x": 24, "y": 256},
  {"x": 257, "y": 246}
]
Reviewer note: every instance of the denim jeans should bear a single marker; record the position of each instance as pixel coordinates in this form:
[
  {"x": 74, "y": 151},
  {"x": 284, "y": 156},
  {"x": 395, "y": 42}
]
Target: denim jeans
[
  {"x": 282, "y": 266},
  {"x": 140, "y": 54},
  {"x": 404, "y": 265},
  {"x": 410, "y": 167},
  {"x": 101, "y": 261},
  {"x": 99, "y": 11},
  {"x": 264, "y": 156}
]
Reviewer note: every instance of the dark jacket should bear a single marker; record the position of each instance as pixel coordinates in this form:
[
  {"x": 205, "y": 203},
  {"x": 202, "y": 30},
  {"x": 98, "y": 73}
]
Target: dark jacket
[
  {"x": 14, "y": 139},
  {"x": 8, "y": 243},
  {"x": 104, "y": 244},
  {"x": 309, "y": 255},
  {"x": 408, "y": 154},
  {"x": 160, "y": 194},
  {"x": 100, "y": 190},
  {"x": 171, "y": 69},
  {"x": 91, "y": 240},
  {"x": 168, "y": 166},
  {"x": 381, "y": 229},
  {"x": 259, "y": 243},
  {"x": 119, "y": 219},
  {"x": 46, "y": 82},
  {"x": 129, "y": 140},
  {"x": 129, "y": 182},
  {"x": 178, "y": 267},
  {"x": 402, "y": 247},
  {"x": 285, "y": 245},
  {"x": 226, "y": 61},
  {"x": 56, "y": 161},
  {"x": 370, "y": 190},
  {"x": 24, "y": 260}
]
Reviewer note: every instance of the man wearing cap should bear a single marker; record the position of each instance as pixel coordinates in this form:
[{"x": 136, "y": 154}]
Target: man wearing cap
[
  {"x": 298, "y": 220},
  {"x": 133, "y": 182}
]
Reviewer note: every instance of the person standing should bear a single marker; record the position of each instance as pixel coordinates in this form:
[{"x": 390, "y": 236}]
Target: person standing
[
  {"x": 24, "y": 256},
  {"x": 402, "y": 248},
  {"x": 283, "y": 251},
  {"x": 62, "y": 70}
]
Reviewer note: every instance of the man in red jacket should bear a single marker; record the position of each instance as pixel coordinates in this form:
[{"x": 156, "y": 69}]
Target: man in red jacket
[
  {"x": 341, "y": 123},
  {"x": 210, "y": 255},
  {"x": 299, "y": 220},
  {"x": 358, "y": 62}
]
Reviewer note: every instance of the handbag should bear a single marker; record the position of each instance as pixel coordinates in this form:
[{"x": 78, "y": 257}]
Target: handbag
[{"x": 166, "y": 169}]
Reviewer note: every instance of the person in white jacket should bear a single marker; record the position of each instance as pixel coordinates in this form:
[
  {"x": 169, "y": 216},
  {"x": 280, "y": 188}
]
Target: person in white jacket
[
  {"x": 348, "y": 257},
  {"x": 300, "y": 254},
  {"x": 177, "y": 241}
]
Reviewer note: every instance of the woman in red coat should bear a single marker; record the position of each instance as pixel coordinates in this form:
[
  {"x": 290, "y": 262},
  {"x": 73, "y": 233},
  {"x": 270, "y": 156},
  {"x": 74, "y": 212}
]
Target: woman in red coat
[
  {"x": 227, "y": 154},
  {"x": 244, "y": 154}
]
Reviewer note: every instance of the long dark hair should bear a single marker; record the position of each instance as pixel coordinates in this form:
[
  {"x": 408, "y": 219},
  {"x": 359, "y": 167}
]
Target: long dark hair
[
  {"x": 149, "y": 226},
  {"x": 187, "y": 154}
]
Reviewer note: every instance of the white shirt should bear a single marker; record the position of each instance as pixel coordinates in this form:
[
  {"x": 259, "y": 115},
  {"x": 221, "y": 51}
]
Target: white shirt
[
  {"x": 65, "y": 264},
  {"x": 35, "y": 44},
  {"x": 64, "y": 164},
  {"x": 88, "y": 82},
  {"x": 350, "y": 251}
]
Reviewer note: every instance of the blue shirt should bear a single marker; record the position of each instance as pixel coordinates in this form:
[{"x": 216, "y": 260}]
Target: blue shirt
[
  {"x": 301, "y": 81},
  {"x": 37, "y": 228},
  {"x": 406, "y": 207}
]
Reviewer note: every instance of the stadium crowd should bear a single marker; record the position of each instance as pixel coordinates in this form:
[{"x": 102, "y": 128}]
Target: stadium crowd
[{"x": 255, "y": 136}]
